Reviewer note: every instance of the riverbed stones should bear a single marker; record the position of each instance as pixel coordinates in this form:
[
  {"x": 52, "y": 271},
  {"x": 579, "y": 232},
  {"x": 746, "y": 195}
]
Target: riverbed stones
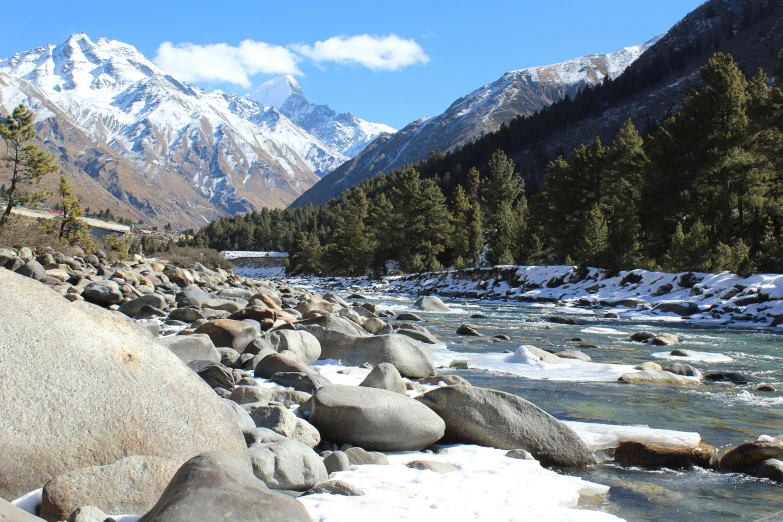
[
  {"x": 519, "y": 454},
  {"x": 278, "y": 418},
  {"x": 656, "y": 456},
  {"x": 337, "y": 461},
  {"x": 311, "y": 305},
  {"x": 373, "y": 419},
  {"x": 99, "y": 359},
  {"x": 469, "y": 330},
  {"x": 449, "y": 380},
  {"x": 497, "y": 419},
  {"x": 649, "y": 366},
  {"x": 683, "y": 369},
  {"x": 134, "y": 306},
  {"x": 229, "y": 333},
  {"x": 751, "y": 453},
  {"x": 130, "y": 486},
  {"x": 88, "y": 514},
  {"x": 385, "y": 377},
  {"x": 681, "y": 308},
  {"x": 302, "y": 343},
  {"x": 559, "y": 319},
  {"x": 430, "y": 303},
  {"x": 641, "y": 337},
  {"x": 33, "y": 269},
  {"x": 287, "y": 464},
  {"x": 219, "y": 487},
  {"x": 406, "y": 316},
  {"x": 194, "y": 347},
  {"x": 411, "y": 358},
  {"x": 11, "y": 513},
  {"x": 574, "y": 354},
  {"x": 362, "y": 457},
  {"x": 732, "y": 377}
]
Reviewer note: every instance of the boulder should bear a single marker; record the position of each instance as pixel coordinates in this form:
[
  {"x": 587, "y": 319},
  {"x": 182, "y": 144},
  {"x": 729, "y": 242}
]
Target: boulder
[
  {"x": 449, "y": 380},
  {"x": 335, "y": 487},
  {"x": 362, "y": 457},
  {"x": 641, "y": 337},
  {"x": 34, "y": 270},
  {"x": 104, "y": 293},
  {"x": 302, "y": 343},
  {"x": 303, "y": 382},
  {"x": 658, "y": 377},
  {"x": 224, "y": 305},
  {"x": 373, "y": 419},
  {"x": 751, "y": 453},
  {"x": 681, "y": 308},
  {"x": 241, "y": 416},
  {"x": 192, "y": 295},
  {"x": 519, "y": 454},
  {"x": 261, "y": 436},
  {"x": 100, "y": 360},
  {"x": 655, "y": 456},
  {"x": 253, "y": 394},
  {"x": 468, "y": 329},
  {"x": 130, "y": 486},
  {"x": 385, "y": 377},
  {"x": 574, "y": 354},
  {"x": 337, "y": 461},
  {"x": 682, "y": 369},
  {"x": 733, "y": 377},
  {"x": 649, "y": 366},
  {"x": 280, "y": 363},
  {"x": 432, "y": 465},
  {"x": 194, "y": 347},
  {"x": 134, "y": 306},
  {"x": 311, "y": 305},
  {"x": 665, "y": 339},
  {"x": 559, "y": 319},
  {"x": 214, "y": 374},
  {"x": 229, "y": 333},
  {"x": 218, "y": 487},
  {"x": 430, "y": 303},
  {"x": 771, "y": 469},
  {"x": 187, "y": 314},
  {"x": 411, "y": 358},
  {"x": 374, "y": 325},
  {"x": 418, "y": 335},
  {"x": 500, "y": 420},
  {"x": 278, "y": 418},
  {"x": 332, "y": 323},
  {"x": 88, "y": 514},
  {"x": 409, "y": 317},
  {"x": 287, "y": 464}
]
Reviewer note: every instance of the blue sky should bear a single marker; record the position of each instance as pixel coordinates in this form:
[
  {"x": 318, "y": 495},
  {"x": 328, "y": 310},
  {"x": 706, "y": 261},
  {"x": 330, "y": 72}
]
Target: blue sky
[{"x": 443, "y": 50}]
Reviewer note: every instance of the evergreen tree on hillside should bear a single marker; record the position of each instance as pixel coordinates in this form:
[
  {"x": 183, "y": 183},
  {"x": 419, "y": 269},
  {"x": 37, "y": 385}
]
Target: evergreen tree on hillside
[
  {"x": 593, "y": 243},
  {"x": 407, "y": 226},
  {"x": 305, "y": 255},
  {"x": 500, "y": 194},
  {"x": 437, "y": 226},
  {"x": 378, "y": 217},
  {"x": 71, "y": 229},
  {"x": 350, "y": 251},
  {"x": 26, "y": 163}
]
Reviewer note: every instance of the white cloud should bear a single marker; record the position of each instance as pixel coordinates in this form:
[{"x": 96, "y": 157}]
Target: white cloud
[
  {"x": 384, "y": 53},
  {"x": 225, "y": 63},
  {"x": 222, "y": 62}
]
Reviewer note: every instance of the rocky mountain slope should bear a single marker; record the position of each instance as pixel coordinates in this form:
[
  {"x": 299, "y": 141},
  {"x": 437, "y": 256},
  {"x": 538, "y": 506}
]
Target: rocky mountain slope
[
  {"x": 157, "y": 147},
  {"x": 516, "y": 93},
  {"x": 344, "y": 133}
]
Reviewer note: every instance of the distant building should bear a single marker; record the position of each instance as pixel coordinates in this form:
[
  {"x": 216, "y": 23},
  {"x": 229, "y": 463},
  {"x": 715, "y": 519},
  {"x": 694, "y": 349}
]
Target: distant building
[{"x": 257, "y": 264}]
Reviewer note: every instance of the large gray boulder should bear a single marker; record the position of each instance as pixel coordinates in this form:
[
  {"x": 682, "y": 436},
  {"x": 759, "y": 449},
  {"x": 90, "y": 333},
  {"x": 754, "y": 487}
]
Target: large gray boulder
[
  {"x": 751, "y": 453},
  {"x": 194, "y": 347},
  {"x": 280, "y": 363},
  {"x": 373, "y": 419},
  {"x": 497, "y": 419},
  {"x": 430, "y": 303},
  {"x": 411, "y": 358},
  {"x": 130, "y": 486},
  {"x": 302, "y": 343},
  {"x": 113, "y": 390},
  {"x": 33, "y": 269},
  {"x": 252, "y": 394},
  {"x": 11, "y": 513},
  {"x": 287, "y": 464},
  {"x": 219, "y": 487}
]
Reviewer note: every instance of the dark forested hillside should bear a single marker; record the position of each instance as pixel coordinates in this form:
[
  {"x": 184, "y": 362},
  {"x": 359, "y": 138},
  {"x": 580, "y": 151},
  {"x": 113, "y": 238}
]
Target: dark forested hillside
[
  {"x": 647, "y": 93},
  {"x": 703, "y": 192}
]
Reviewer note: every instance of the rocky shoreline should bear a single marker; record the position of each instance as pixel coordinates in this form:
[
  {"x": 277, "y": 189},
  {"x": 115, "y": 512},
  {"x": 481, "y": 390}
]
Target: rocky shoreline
[
  {"x": 170, "y": 394},
  {"x": 721, "y": 299}
]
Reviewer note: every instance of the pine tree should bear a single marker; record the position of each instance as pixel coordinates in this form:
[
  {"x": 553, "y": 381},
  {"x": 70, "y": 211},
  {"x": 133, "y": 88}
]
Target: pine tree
[
  {"x": 350, "y": 249},
  {"x": 437, "y": 226},
  {"x": 500, "y": 193},
  {"x": 593, "y": 243},
  {"x": 71, "y": 228},
  {"x": 26, "y": 162},
  {"x": 305, "y": 255},
  {"x": 462, "y": 215},
  {"x": 475, "y": 235}
]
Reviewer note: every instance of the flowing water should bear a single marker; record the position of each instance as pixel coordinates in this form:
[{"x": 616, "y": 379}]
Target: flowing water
[{"x": 723, "y": 414}]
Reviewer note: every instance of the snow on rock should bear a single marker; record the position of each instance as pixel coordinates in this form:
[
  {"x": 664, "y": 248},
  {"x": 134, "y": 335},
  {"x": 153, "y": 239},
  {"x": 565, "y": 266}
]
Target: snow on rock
[
  {"x": 723, "y": 298},
  {"x": 607, "y": 436}
]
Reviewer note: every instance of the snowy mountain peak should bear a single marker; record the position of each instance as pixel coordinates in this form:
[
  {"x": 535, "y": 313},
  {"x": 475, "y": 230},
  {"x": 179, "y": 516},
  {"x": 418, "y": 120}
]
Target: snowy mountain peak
[{"x": 276, "y": 91}]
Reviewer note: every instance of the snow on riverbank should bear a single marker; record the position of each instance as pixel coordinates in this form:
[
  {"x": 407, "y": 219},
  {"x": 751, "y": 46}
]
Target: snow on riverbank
[{"x": 719, "y": 298}]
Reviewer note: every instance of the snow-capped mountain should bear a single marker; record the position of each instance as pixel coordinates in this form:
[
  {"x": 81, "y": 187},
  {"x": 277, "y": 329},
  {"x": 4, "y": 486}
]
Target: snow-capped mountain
[
  {"x": 233, "y": 153},
  {"x": 346, "y": 134},
  {"x": 521, "y": 92}
]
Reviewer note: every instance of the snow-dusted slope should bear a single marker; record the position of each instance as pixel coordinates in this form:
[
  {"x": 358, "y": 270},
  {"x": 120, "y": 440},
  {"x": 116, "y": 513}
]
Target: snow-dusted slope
[
  {"x": 346, "y": 134},
  {"x": 237, "y": 153},
  {"x": 521, "y": 92}
]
